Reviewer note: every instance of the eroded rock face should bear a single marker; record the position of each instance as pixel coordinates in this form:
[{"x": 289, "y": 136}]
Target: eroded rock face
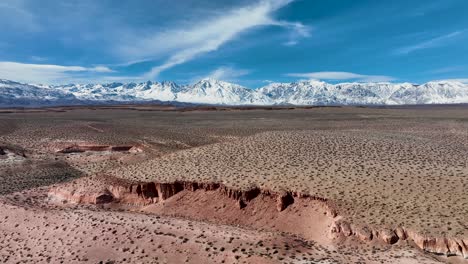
[
  {"x": 147, "y": 193},
  {"x": 283, "y": 201},
  {"x": 437, "y": 245},
  {"x": 154, "y": 192},
  {"x": 364, "y": 233},
  {"x": 80, "y": 196},
  {"x": 401, "y": 233},
  {"x": 77, "y": 148},
  {"x": 388, "y": 236},
  {"x": 12, "y": 154}
]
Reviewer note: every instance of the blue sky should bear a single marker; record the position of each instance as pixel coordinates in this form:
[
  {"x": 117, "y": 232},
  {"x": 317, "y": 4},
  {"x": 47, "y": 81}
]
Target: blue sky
[{"x": 248, "y": 42}]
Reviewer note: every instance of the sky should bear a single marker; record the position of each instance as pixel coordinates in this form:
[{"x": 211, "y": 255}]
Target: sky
[{"x": 249, "y": 42}]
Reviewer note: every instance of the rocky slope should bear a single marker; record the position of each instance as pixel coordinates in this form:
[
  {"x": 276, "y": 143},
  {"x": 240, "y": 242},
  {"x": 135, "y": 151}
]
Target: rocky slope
[
  {"x": 154, "y": 192},
  {"x": 210, "y": 91},
  {"x": 144, "y": 194},
  {"x": 447, "y": 246},
  {"x": 19, "y": 94}
]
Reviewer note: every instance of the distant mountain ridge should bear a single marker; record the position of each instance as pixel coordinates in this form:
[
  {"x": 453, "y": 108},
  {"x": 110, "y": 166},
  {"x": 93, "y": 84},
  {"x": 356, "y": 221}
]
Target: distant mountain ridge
[{"x": 210, "y": 91}]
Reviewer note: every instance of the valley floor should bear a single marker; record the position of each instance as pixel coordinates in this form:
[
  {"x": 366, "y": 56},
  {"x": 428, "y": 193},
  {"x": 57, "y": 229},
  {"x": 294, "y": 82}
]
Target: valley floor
[{"x": 309, "y": 185}]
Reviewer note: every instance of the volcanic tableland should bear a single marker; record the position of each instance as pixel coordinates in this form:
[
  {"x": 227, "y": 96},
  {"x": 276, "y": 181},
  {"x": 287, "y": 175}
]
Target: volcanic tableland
[{"x": 161, "y": 184}]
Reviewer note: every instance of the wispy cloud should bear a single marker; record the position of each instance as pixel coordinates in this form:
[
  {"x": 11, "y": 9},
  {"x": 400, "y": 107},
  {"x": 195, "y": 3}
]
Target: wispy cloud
[
  {"x": 186, "y": 43},
  {"x": 226, "y": 73},
  {"x": 100, "y": 79},
  {"x": 448, "y": 69},
  {"x": 223, "y": 73},
  {"x": 38, "y": 58},
  {"x": 44, "y": 73},
  {"x": 462, "y": 80},
  {"x": 431, "y": 43},
  {"x": 291, "y": 42},
  {"x": 298, "y": 32},
  {"x": 122, "y": 41},
  {"x": 342, "y": 76}
]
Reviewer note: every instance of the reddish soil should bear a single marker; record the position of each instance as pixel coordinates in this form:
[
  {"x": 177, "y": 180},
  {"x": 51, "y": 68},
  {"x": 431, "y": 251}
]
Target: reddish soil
[
  {"x": 154, "y": 185},
  {"x": 309, "y": 217}
]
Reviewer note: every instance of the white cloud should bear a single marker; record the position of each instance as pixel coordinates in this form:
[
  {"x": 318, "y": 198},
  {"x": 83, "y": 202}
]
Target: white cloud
[
  {"x": 438, "y": 41},
  {"x": 342, "y": 76},
  {"x": 44, "y": 73},
  {"x": 462, "y": 80},
  {"x": 100, "y": 79},
  {"x": 298, "y": 31},
  {"x": 291, "y": 43},
  {"x": 448, "y": 69},
  {"x": 185, "y": 43},
  {"x": 227, "y": 73},
  {"x": 38, "y": 58},
  {"x": 169, "y": 44},
  {"x": 100, "y": 69}
]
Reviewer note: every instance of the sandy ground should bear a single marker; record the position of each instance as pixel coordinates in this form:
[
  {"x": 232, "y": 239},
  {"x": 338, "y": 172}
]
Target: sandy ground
[
  {"x": 378, "y": 178},
  {"x": 382, "y": 167},
  {"x": 43, "y": 233}
]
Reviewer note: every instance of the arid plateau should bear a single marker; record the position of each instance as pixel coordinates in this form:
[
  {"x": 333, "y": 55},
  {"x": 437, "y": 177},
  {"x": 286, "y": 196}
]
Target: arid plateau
[{"x": 163, "y": 184}]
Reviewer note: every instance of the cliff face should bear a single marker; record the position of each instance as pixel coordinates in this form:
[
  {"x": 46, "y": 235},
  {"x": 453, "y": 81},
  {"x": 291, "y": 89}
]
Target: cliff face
[
  {"x": 148, "y": 193},
  {"x": 151, "y": 193},
  {"x": 11, "y": 152},
  {"x": 154, "y": 192},
  {"x": 80, "y": 196},
  {"x": 79, "y": 148},
  {"x": 437, "y": 245}
]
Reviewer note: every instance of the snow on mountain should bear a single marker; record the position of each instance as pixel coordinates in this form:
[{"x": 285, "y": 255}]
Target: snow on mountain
[
  {"x": 443, "y": 92},
  {"x": 206, "y": 91},
  {"x": 210, "y": 91},
  {"x": 165, "y": 91},
  {"x": 301, "y": 93},
  {"x": 14, "y": 94},
  {"x": 321, "y": 93}
]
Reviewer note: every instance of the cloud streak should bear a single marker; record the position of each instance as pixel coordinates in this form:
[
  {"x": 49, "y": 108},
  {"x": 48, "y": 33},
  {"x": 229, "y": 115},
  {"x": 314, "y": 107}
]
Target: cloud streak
[
  {"x": 432, "y": 43},
  {"x": 44, "y": 73},
  {"x": 335, "y": 76},
  {"x": 185, "y": 44},
  {"x": 462, "y": 80},
  {"x": 227, "y": 73}
]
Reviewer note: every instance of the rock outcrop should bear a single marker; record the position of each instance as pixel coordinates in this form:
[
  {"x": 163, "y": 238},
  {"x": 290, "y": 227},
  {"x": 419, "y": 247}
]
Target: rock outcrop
[
  {"x": 80, "y": 196},
  {"x": 17, "y": 151},
  {"x": 147, "y": 193},
  {"x": 154, "y": 192},
  {"x": 437, "y": 245},
  {"x": 142, "y": 194},
  {"x": 77, "y": 148},
  {"x": 283, "y": 200}
]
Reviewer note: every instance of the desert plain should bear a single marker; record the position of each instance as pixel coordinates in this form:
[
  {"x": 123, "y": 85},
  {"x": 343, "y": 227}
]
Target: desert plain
[{"x": 161, "y": 184}]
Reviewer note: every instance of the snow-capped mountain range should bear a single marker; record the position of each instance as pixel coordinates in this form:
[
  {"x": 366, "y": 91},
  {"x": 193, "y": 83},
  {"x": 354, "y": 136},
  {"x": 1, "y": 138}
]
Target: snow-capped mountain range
[{"x": 210, "y": 91}]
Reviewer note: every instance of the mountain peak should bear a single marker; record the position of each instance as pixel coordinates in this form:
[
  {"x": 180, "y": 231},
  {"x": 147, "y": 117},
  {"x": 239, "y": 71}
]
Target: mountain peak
[
  {"x": 212, "y": 81},
  {"x": 213, "y": 91},
  {"x": 209, "y": 79},
  {"x": 313, "y": 82}
]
